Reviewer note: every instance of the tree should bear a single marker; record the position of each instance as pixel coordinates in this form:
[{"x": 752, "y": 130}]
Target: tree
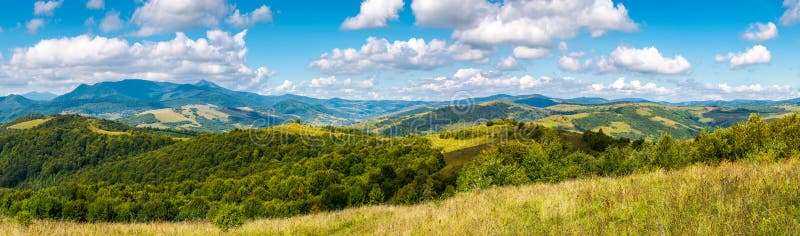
[
  {"x": 24, "y": 218},
  {"x": 229, "y": 217},
  {"x": 376, "y": 195}
]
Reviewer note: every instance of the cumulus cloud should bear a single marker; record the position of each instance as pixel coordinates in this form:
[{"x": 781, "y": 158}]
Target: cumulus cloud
[
  {"x": 62, "y": 63},
  {"x": 508, "y": 63},
  {"x": 759, "y": 32},
  {"x": 528, "y": 23},
  {"x": 34, "y": 25},
  {"x": 332, "y": 82},
  {"x": 111, "y": 22},
  {"x": 414, "y": 54},
  {"x": 479, "y": 83},
  {"x": 695, "y": 90},
  {"x": 285, "y": 87},
  {"x": 374, "y": 14},
  {"x": 451, "y": 13},
  {"x": 46, "y": 8},
  {"x": 563, "y": 46},
  {"x": 646, "y": 60},
  {"x": 755, "y": 55},
  {"x": 530, "y": 53},
  {"x": 157, "y": 16},
  {"x": 649, "y": 60},
  {"x": 792, "y": 14},
  {"x": 95, "y": 4},
  {"x": 261, "y": 14},
  {"x": 634, "y": 88}
]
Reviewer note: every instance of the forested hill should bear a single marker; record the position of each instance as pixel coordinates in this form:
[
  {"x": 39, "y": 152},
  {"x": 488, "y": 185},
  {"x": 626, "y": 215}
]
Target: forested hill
[
  {"x": 36, "y": 150},
  {"x": 88, "y": 169}
]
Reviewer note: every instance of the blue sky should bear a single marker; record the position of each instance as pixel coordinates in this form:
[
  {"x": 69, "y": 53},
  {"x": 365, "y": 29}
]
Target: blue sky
[{"x": 411, "y": 49}]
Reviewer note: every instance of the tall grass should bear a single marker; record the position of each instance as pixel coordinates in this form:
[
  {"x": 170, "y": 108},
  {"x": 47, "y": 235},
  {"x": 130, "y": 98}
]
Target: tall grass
[{"x": 731, "y": 199}]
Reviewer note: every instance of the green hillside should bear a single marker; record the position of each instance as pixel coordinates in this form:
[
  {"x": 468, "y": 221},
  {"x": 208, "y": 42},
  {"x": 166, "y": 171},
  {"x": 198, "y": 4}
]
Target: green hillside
[
  {"x": 628, "y": 120},
  {"x": 295, "y": 169},
  {"x": 449, "y": 118},
  {"x": 39, "y": 150}
]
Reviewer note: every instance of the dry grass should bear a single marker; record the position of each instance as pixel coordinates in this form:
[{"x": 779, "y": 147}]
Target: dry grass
[
  {"x": 29, "y": 124},
  {"x": 732, "y": 199},
  {"x": 168, "y": 115},
  {"x": 618, "y": 127},
  {"x": 105, "y": 132}
]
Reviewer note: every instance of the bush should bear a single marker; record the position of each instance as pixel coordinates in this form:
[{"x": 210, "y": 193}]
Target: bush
[
  {"x": 229, "y": 217},
  {"x": 24, "y": 218}
]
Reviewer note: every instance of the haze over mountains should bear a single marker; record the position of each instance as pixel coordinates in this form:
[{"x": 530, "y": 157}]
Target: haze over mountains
[{"x": 205, "y": 106}]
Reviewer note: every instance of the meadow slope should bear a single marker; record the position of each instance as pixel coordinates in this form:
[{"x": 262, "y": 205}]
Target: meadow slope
[{"x": 738, "y": 198}]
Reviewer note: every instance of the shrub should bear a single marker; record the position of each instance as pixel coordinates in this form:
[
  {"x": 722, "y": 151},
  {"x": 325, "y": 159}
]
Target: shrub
[
  {"x": 24, "y": 218},
  {"x": 229, "y": 217}
]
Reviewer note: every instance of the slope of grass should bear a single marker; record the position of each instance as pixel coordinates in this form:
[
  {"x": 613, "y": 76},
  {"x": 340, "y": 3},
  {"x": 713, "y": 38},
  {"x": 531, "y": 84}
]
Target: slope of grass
[
  {"x": 29, "y": 124},
  {"x": 741, "y": 198}
]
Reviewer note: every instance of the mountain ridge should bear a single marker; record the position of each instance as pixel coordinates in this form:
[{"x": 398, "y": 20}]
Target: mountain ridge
[{"x": 127, "y": 99}]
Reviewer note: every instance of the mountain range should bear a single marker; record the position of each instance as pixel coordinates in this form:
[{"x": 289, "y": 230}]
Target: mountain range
[{"x": 205, "y": 106}]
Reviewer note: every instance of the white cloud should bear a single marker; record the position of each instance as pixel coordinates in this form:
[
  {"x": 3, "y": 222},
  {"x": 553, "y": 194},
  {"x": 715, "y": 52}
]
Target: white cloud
[
  {"x": 414, "y": 54},
  {"x": 694, "y": 90},
  {"x": 759, "y": 32},
  {"x": 529, "y": 23},
  {"x": 792, "y": 14},
  {"x": 530, "y": 53},
  {"x": 374, "y": 14},
  {"x": 111, "y": 22},
  {"x": 34, "y": 25},
  {"x": 751, "y": 88},
  {"x": 451, "y": 13},
  {"x": 158, "y": 16},
  {"x": 61, "y": 63},
  {"x": 89, "y": 21},
  {"x": 46, "y": 8},
  {"x": 285, "y": 87},
  {"x": 634, "y": 88},
  {"x": 562, "y": 46},
  {"x": 95, "y": 4},
  {"x": 649, "y": 60},
  {"x": 646, "y": 60},
  {"x": 755, "y": 55},
  {"x": 261, "y": 14},
  {"x": 478, "y": 83},
  {"x": 332, "y": 82},
  {"x": 570, "y": 63},
  {"x": 508, "y": 63}
]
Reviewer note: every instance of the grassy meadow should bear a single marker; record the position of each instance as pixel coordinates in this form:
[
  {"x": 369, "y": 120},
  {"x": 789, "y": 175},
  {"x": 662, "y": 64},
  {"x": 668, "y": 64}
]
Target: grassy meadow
[{"x": 729, "y": 199}]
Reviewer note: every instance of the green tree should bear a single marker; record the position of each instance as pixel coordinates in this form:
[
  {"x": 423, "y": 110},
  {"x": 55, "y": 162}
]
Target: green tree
[
  {"x": 229, "y": 217},
  {"x": 376, "y": 195},
  {"x": 24, "y": 218}
]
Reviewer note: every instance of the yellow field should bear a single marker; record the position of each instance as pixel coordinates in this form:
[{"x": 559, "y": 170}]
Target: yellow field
[
  {"x": 740, "y": 199},
  {"x": 618, "y": 127},
  {"x": 29, "y": 124},
  {"x": 168, "y": 115},
  {"x": 106, "y": 132}
]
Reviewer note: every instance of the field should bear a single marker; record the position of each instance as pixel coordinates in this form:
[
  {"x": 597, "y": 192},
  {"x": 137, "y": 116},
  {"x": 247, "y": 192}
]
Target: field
[
  {"x": 739, "y": 198},
  {"x": 29, "y": 124}
]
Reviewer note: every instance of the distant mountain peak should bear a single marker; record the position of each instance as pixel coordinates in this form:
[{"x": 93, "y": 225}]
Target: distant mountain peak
[
  {"x": 207, "y": 84},
  {"x": 39, "y": 96}
]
